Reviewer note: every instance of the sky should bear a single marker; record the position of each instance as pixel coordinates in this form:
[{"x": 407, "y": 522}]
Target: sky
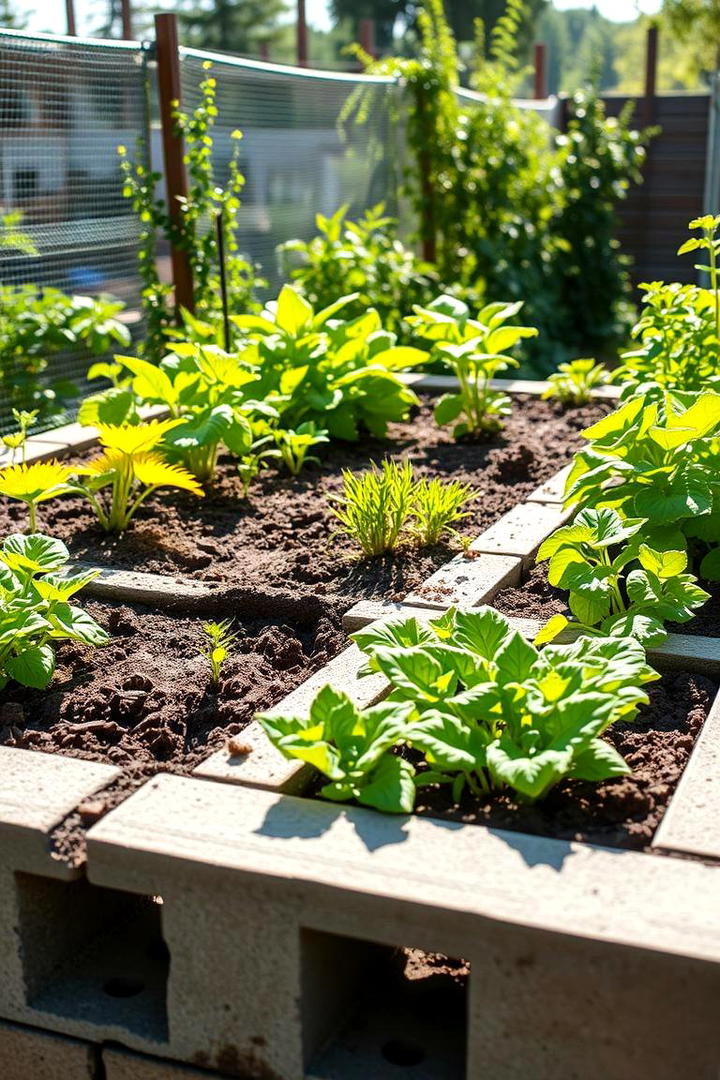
[{"x": 50, "y": 14}]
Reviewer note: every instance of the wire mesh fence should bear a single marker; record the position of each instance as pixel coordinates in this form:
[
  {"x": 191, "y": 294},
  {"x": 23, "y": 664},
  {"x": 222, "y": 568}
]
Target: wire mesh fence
[
  {"x": 65, "y": 105},
  {"x": 296, "y": 160}
]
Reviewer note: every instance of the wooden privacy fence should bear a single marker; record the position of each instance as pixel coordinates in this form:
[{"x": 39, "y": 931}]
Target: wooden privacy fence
[{"x": 654, "y": 218}]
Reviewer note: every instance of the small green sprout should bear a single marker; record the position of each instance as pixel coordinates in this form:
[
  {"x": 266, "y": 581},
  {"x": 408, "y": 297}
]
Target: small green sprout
[{"x": 220, "y": 642}]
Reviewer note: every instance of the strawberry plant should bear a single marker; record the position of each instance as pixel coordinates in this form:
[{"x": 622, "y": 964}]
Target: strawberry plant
[
  {"x": 317, "y": 367},
  {"x": 658, "y": 460},
  {"x": 35, "y": 611},
  {"x": 476, "y": 351},
  {"x": 573, "y": 382},
  {"x": 618, "y": 585}
]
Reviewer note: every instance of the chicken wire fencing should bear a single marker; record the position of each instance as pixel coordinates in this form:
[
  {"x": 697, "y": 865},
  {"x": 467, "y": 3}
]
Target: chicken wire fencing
[
  {"x": 65, "y": 105},
  {"x": 297, "y": 158}
]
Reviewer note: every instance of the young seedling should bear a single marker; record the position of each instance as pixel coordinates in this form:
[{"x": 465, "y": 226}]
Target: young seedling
[
  {"x": 220, "y": 641},
  {"x": 376, "y": 506},
  {"x": 572, "y": 383},
  {"x": 36, "y": 483},
  {"x": 17, "y": 440},
  {"x": 437, "y": 504},
  {"x": 292, "y": 446}
]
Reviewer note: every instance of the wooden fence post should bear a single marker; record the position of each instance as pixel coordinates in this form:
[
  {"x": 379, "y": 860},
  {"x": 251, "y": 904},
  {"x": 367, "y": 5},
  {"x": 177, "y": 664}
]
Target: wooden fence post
[
  {"x": 168, "y": 68},
  {"x": 302, "y": 35},
  {"x": 70, "y": 18},
  {"x": 540, "y": 81},
  {"x": 127, "y": 26},
  {"x": 366, "y": 34},
  {"x": 651, "y": 59}
]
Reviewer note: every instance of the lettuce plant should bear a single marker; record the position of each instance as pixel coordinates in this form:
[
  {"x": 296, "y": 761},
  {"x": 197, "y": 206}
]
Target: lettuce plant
[
  {"x": 35, "y": 611},
  {"x": 658, "y": 460},
  {"x": 618, "y": 585},
  {"x": 573, "y": 382},
  {"x": 484, "y": 708},
  {"x": 351, "y": 748},
  {"x": 475, "y": 350},
  {"x": 489, "y": 710},
  {"x": 314, "y": 366}
]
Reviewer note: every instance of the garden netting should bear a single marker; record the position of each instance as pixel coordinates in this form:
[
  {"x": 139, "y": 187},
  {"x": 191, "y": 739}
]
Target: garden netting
[{"x": 65, "y": 105}]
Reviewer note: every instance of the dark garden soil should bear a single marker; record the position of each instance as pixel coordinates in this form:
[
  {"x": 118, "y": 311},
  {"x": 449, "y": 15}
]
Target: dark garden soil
[
  {"x": 536, "y": 598},
  {"x": 281, "y": 538},
  {"x": 624, "y": 812}
]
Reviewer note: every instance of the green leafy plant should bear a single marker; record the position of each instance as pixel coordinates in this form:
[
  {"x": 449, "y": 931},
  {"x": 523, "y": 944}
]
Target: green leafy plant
[
  {"x": 16, "y": 441},
  {"x": 383, "y": 506},
  {"x": 36, "y": 483},
  {"x": 291, "y": 447},
  {"x": 618, "y": 585},
  {"x": 484, "y": 708},
  {"x": 363, "y": 257},
  {"x": 376, "y": 505},
  {"x": 35, "y": 611},
  {"x": 436, "y": 506},
  {"x": 678, "y": 332},
  {"x": 37, "y": 322},
  {"x": 574, "y": 381},
  {"x": 220, "y": 640},
  {"x": 658, "y": 460},
  {"x": 350, "y": 748},
  {"x": 475, "y": 350},
  {"x": 206, "y": 200},
  {"x": 317, "y": 367},
  {"x": 204, "y": 388}
]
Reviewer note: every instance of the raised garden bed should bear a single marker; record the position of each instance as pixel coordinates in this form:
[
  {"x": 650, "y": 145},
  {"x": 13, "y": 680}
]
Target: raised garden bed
[{"x": 269, "y": 900}]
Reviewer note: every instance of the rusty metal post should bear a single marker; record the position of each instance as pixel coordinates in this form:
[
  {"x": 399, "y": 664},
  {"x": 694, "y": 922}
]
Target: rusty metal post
[
  {"x": 70, "y": 18},
  {"x": 302, "y": 35},
  {"x": 168, "y": 72},
  {"x": 540, "y": 80},
  {"x": 651, "y": 60},
  {"x": 127, "y": 23},
  {"x": 366, "y": 34}
]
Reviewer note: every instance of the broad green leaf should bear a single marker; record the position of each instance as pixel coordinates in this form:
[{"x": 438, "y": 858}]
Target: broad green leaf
[
  {"x": 391, "y": 787},
  {"x": 515, "y": 659},
  {"x": 151, "y": 383},
  {"x": 710, "y": 566},
  {"x": 34, "y": 667},
  {"x": 34, "y": 552},
  {"x": 399, "y": 357},
  {"x": 293, "y": 312},
  {"x": 552, "y": 629},
  {"x": 69, "y": 621},
  {"x": 599, "y": 761},
  {"x": 448, "y": 409},
  {"x": 483, "y": 632},
  {"x": 665, "y": 564},
  {"x": 530, "y": 776}
]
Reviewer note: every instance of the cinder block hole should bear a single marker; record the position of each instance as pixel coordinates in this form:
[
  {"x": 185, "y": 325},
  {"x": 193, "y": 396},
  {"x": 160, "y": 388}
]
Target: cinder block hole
[
  {"x": 371, "y": 1010},
  {"x": 93, "y": 954}
]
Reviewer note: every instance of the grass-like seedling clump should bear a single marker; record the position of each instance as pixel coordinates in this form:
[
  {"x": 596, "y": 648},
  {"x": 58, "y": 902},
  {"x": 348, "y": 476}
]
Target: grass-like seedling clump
[{"x": 384, "y": 506}]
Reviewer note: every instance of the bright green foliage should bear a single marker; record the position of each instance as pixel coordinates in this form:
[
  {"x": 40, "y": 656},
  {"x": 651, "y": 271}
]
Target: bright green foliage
[
  {"x": 38, "y": 322},
  {"x": 17, "y": 440},
  {"x": 437, "y": 505},
  {"x": 350, "y": 748},
  {"x": 364, "y": 257},
  {"x": 35, "y": 611},
  {"x": 291, "y": 447},
  {"x": 220, "y": 640},
  {"x": 382, "y": 507},
  {"x": 376, "y": 506},
  {"x": 500, "y": 202},
  {"x": 618, "y": 585},
  {"x": 659, "y": 461},
  {"x": 12, "y": 238},
  {"x": 679, "y": 328},
  {"x": 475, "y": 350},
  {"x": 202, "y": 386},
  {"x": 572, "y": 382},
  {"x": 196, "y": 232},
  {"x": 490, "y": 710},
  {"x": 315, "y": 366}
]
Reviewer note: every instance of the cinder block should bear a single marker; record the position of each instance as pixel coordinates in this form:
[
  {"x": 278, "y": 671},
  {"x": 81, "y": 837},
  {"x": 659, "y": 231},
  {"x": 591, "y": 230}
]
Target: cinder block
[
  {"x": 521, "y": 531},
  {"x": 467, "y": 582},
  {"x": 559, "y": 935},
  {"x": 264, "y": 766},
  {"x": 29, "y": 1054},
  {"x": 692, "y": 822},
  {"x": 121, "y": 1064},
  {"x": 552, "y": 490}
]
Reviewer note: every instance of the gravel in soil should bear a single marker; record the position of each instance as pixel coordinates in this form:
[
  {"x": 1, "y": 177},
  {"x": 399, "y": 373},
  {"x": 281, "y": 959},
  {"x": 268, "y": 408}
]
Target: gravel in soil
[
  {"x": 536, "y": 598},
  {"x": 281, "y": 538},
  {"x": 624, "y": 812}
]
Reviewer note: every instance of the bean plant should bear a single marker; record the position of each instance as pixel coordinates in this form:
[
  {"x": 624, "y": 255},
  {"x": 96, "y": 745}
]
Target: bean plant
[
  {"x": 35, "y": 611},
  {"x": 483, "y": 708},
  {"x": 475, "y": 350},
  {"x": 573, "y": 382}
]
